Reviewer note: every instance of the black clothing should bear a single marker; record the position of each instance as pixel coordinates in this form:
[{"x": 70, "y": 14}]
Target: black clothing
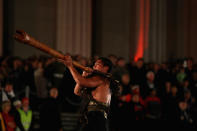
[
  {"x": 50, "y": 115},
  {"x": 96, "y": 122},
  {"x": 94, "y": 113},
  {"x": 95, "y": 117}
]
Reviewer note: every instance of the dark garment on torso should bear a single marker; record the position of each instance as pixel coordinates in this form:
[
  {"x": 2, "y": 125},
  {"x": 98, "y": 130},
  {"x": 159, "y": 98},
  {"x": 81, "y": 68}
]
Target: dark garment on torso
[
  {"x": 93, "y": 113},
  {"x": 50, "y": 115}
]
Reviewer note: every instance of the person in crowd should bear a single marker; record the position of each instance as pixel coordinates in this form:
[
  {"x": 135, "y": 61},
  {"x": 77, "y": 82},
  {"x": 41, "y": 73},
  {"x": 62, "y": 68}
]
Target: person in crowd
[
  {"x": 17, "y": 118},
  {"x": 120, "y": 69},
  {"x": 8, "y": 92},
  {"x": 26, "y": 116},
  {"x": 149, "y": 84},
  {"x": 181, "y": 75},
  {"x": 8, "y": 118},
  {"x": 40, "y": 81},
  {"x": 185, "y": 120},
  {"x": 139, "y": 71},
  {"x": 153, "y": 106},
  {"x": 125, "y": 83},
  {"x": 50, "y": 108},
  {"x": 172, "y": 104}
]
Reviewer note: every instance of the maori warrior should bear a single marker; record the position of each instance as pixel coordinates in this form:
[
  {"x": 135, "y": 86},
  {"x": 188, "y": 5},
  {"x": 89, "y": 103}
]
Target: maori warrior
[{"x": 95, "y": 85}]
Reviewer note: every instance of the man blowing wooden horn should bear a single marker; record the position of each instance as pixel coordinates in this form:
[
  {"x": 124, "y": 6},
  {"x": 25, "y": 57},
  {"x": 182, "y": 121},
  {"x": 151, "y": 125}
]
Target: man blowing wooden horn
[{"x": 94, "y": 88}]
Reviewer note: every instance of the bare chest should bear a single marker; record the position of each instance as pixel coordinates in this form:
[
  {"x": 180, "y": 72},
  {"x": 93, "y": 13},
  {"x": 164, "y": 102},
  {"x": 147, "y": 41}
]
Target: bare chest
[{"x": 102, "y": 94}]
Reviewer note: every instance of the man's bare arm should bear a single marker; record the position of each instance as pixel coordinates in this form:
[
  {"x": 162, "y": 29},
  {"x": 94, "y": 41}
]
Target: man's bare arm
[
  {"x": 79, "y": 79},
  {"x": 77, "y": 90},
  {"x": 86, "y": 82}
]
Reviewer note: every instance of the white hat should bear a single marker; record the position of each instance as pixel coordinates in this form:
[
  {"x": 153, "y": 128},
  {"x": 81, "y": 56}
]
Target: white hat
[{"x": 17, "y": 102}]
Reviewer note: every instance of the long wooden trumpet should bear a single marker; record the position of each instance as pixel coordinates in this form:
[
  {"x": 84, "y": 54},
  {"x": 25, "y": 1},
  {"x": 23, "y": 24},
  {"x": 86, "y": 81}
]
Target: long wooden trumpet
[{"x": 23, "y": 37}]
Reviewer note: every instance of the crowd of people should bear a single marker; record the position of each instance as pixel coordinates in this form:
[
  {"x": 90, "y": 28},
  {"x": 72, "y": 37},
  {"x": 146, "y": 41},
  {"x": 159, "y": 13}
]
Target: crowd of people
[{"x": 151, "y": 93}]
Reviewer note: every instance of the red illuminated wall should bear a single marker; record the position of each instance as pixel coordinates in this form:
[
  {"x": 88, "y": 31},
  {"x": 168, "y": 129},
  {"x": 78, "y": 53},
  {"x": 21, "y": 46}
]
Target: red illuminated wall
[{"x": 142, "y": 40}]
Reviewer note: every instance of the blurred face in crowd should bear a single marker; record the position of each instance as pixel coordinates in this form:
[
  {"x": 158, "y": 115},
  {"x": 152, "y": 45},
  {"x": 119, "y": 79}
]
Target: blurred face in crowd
[
  {"x": 6, "y": 107},
  {"x": 17, "y": 104},
  {"x": 136, "y": 98},
  {"x": 174, "y": 90},
  {"x": 40, "y": 65},
  {"x": 113, "y": 59},
  {"x": 140, "y": 63},
  {"x": 8, "y": 87},
  {"x": 135, "y": 89},
  {"x": 83, "y": 61},
  {"x": 189, "y": 63},
  {"x": 164, "y": 66},
  {"x": 54, "y": 93},
  {"x": 150, "y": 76},
  {"x": 187, "y": 95},
  {"x": 125, "y": 79},
  {"x": 25, "y": 102},
  {"x": 153, "y": 93},
  {"x": 35, "y": 64},
  {"x": 156, "y": 67},
  {"x": 121, "y": 63},
  {"x": 183, "y": 105},
  {"x": 186, "y": 83},
  {"x": 17, "y": 64},
  {"x": 168, "y": 86}
]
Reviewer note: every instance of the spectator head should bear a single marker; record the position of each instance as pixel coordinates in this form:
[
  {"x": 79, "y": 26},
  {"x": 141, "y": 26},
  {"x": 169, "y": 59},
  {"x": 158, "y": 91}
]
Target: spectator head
[
  {"x": 33, "y": 61},
  {"x": 187, "y": 95},
  {"x": 167, "y": 86},
  {"x": 17, "y": 63},
  {"x": 83, "y": 61},
  {"x": 6, "y": 106},
  {"x": 156, "y": 67},
  {"x": 125, "y": 79},
  {"x": 53, "y": 92},
  {"x": 189, "y": 62},
  {"x": 140, "y": 63},
  {"x": 103, "y": 64},
  {"x": 174, "y": 90},
  {"x": 121, "y": 62},
  {"x": 17, "y": 104},
  {"x": 113, "y": 58},
  {"x": 135, "y": 89},
  {"x": 150, "y": 76},
  {"x": 153, "y": 92},
  {"x": 8, "y": 86},
  {"x": 25, "y": 101},
  {"x": 182, "y": 105},
  {"x": 185, "y": 82},
  {"x": 136, "y": 98}
]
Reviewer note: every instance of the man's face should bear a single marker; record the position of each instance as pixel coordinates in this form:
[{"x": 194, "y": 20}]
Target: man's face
[
  {"x": 98, "y": 65},
  {"x": 26, "y": 103},
  {"x": 7, "y": 108},
  {"x": 54, "y": 93},
  {"x": 8, "y": 87}
]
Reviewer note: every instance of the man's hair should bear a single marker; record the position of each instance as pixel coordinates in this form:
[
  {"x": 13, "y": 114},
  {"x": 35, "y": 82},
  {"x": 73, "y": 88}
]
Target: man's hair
[{"x": 106, "y": 62}]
